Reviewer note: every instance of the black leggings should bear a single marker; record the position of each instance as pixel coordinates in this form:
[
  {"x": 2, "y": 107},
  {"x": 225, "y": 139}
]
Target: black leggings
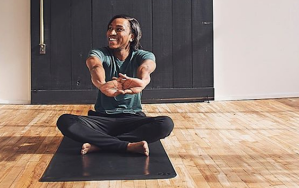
[{"x": 114, "y": 132}]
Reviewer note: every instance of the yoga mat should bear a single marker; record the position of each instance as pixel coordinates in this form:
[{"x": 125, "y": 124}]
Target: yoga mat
[{"x": 68, "y": 164}]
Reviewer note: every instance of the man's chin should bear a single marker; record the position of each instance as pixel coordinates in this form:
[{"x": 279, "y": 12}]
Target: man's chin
[
  {"x": 113, "y": 47},
  {"x": 116, "y": 47}
]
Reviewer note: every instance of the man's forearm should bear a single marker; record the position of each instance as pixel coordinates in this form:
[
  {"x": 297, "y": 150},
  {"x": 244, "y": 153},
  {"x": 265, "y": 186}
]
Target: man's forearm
[
  {"x": 144, "y": 72},
  {"x": 97, "y": 71},
  {"x": 97, "y": 76},
  {"x": 146, "y": 78}
]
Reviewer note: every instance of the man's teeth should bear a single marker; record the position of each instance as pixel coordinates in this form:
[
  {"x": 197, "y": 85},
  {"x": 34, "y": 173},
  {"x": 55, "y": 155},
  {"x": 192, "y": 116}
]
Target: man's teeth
[{"x": 111, "y": 39}]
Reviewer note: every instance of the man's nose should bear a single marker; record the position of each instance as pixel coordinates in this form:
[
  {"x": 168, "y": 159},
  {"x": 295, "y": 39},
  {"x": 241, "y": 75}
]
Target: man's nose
[{"x": 113, "y": 32}]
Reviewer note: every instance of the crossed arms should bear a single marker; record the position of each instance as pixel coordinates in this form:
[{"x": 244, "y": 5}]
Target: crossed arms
[{"x": 123, "y": 84}]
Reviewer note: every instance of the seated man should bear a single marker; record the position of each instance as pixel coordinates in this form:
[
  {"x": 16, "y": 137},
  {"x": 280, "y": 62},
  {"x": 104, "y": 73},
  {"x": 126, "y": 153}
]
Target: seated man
[{"x": 120, "y": 71}]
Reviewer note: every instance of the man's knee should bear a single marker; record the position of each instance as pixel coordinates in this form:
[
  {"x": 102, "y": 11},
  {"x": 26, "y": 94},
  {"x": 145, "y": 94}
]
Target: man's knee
[
  {"x": 65, "y": 120},
  {"x": 166, "y": 125}
]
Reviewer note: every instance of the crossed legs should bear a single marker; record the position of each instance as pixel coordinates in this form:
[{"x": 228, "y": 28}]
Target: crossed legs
[{"x": 121, "y": 132}]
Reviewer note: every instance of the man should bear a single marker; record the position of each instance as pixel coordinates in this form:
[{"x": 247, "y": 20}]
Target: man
[{"x": 120, "y": 71}]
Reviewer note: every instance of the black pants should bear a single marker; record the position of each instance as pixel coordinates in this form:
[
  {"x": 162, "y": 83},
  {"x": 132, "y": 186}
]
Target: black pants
[{"x": 114, "y": 131}]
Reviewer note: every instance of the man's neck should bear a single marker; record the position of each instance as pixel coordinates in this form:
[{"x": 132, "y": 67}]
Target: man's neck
[{"x": 121, "y": 54}]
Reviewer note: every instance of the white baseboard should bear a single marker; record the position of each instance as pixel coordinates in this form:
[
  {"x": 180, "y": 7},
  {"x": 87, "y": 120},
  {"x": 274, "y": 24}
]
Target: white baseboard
[{"x": 15, "y": 101}]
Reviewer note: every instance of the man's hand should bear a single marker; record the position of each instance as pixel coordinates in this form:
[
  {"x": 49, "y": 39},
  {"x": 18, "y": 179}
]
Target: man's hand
[
  {"x": 130, "y": 85},
  {"x": 112, "y": 88}
]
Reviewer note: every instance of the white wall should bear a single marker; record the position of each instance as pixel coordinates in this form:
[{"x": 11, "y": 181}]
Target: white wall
[
  {"x": 15, "y": 52},
  {"x": 256, "y": 49}
]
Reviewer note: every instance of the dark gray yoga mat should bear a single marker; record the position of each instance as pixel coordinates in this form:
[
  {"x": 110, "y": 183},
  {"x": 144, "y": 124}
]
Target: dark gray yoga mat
[{"x": 69, "y": 165}]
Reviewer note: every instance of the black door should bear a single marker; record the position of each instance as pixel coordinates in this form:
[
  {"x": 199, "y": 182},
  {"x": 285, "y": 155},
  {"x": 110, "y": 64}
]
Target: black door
[{"x": 178, "y": 32}]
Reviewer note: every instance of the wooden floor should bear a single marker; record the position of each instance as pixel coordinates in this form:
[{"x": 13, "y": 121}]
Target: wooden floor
[{"x": 252, "y": 143}]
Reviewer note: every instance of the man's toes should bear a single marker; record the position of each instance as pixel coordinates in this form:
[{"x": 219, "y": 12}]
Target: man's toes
[{"x": 85, "y": 148}]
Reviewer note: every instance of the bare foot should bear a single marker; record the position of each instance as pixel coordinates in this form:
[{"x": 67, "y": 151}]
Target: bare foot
[
  {"x": 139, "y": 147},
  {"x": 87, "y": 147}
]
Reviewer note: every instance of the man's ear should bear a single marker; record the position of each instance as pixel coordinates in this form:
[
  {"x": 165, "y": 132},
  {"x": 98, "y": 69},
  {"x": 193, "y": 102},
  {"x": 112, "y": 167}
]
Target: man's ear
[{"x": 132, "y": 37}]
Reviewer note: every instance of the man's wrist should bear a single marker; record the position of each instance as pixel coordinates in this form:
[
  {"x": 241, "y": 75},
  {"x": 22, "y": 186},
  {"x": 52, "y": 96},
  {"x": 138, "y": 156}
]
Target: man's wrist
[
  {"x": 145, "y": 82},
  {"x": 100, "y": 84}
]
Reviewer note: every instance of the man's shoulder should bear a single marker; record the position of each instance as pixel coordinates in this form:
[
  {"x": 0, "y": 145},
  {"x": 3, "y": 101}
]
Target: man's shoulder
[
  {"x": 143, "y": 54},
  {"x": 102, "y": 50},
  {"x": 102, "y": 53}
]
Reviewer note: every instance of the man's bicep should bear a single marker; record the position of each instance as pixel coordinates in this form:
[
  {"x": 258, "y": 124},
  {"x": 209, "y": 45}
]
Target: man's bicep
[
  {"x": 148, "y": 65},
  {"x": 92, "y": 62}
]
